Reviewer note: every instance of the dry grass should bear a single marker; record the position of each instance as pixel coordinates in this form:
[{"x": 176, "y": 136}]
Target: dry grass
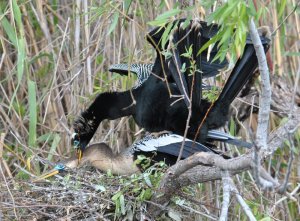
[{"x": 62, "y": 65}]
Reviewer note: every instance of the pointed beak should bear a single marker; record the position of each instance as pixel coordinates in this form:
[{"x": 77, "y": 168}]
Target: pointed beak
[
  {"x": 46, "y": 175},
  {"x": 79, "y": 154}
]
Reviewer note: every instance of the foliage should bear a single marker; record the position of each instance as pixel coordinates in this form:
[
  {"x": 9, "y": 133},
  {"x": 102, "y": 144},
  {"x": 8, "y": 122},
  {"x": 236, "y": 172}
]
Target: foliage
[
  {"x": 139, "y": 186},
  {"x": 54, "y": 60}
]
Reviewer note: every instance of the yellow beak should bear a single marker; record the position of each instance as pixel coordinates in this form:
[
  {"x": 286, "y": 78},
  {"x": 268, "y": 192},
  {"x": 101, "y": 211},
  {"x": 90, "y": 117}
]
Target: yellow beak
[
  {"x": 46, "y": 175},
  {"x": 79, "y": 154}
]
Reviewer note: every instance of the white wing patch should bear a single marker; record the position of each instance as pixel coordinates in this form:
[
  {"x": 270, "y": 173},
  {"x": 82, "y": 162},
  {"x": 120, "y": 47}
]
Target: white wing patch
[{"x": 151, "y": 143}]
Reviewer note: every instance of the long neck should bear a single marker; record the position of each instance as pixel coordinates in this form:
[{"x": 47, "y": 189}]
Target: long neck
[
  {"x": 99, "y": 152},
  {"x": 106, "y": 106},
  {"x": 100, "y": 156},
  {"x": 111, "y": 105}
]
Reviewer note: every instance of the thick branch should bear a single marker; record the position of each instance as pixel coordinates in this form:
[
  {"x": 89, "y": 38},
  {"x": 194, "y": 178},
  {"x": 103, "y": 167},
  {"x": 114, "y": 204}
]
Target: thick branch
[
  {"x": 265, "y": 96},
  {"x": 212, "y": 166}
]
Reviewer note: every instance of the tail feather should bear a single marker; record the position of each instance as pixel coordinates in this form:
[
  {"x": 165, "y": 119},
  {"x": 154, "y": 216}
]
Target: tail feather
[
  {"x": 175, "y": 65},
  {"x": 209, "y": 67},
  {"x": 215, "y": 135},
  {"x": 194, "y": 35},
  {"x": 241, "y": 73}
]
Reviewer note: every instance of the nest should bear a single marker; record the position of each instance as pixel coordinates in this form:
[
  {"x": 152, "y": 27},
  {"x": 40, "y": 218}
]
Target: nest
[{"x": 79, "y": 194}]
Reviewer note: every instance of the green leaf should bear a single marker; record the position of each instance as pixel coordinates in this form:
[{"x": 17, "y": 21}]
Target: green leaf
[
  {"x": 226, "y": 37},
  {"x": 21, "y": 59},
  {"x": 282, "y": 5},
  {"x": 216, "y": 14},
  {"x": 32, "y": 112},
  {"x": 251, "y": 8},
  {"x": 127, "y": 4},
  {"x": 114, "y": 23},
  {"x": 166, "y": 34},
  {"x": 163, "y": 18},
  {"x": 211, "y": 41},
  {"x": 266, "y": 219},
  {"x": 290, "y": 53},
  {"x": 232, "y": 127},
  {"x": 116, "y": 196},
  {"x": 17, "y": 14},
  {"x": 122, "y": 204},
  {"x": 147, "y": 180},
  {"x": 9, "y": 30},
  {"x": 45, "y": 137},
  {"x": 100, "y": 188},
  {"x": 229, "y": 10}
]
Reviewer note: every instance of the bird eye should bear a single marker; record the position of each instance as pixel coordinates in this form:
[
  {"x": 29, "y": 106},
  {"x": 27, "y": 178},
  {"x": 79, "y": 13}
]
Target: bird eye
[{"x": 75, "y": 140}]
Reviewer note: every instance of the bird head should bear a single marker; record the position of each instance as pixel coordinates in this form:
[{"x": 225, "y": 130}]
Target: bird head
[
  {"x": 61, "y": 167},
  {"x": 83, "y": 132},
  {"x": 78, "y": 145}
]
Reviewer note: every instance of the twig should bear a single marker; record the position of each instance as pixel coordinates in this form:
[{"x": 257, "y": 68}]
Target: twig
[
  {"x": 283, "y": 187},
  {"x": 284, "y": 20},
  {"x": 226, "y": 196},
  {"x": 2, "y": 135},
  {"x": 24, "y": 170},
  {"x": 289, "y": 196},
  {"x": 190, "y": 209},
  {"x": 62, "y": 124},
  {"x": 11, "y": 196},
  {"x": 241, "y": 201}
]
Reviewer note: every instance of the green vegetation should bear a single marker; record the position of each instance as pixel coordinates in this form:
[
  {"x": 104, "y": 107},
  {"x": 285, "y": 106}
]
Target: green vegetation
[{"x": 54, "y": 57}]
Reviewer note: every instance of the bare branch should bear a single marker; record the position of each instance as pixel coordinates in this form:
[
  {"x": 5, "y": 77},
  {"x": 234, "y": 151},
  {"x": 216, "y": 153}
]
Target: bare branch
[
  {"x": 242, "y": 202},
  {"x": 282, "y": 189},
  {"x": 265, "y": 97},
  {"x": 226, "y": 196},
  {"x": 264, "y": 102}
]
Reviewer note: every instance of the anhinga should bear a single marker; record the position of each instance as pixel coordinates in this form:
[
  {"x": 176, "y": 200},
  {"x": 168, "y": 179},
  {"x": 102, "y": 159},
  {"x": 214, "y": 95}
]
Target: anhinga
[
  {"x": 143, "y": 71},
  {"x": 151, "y": 105},
  {"x": 163, "y": 147}
]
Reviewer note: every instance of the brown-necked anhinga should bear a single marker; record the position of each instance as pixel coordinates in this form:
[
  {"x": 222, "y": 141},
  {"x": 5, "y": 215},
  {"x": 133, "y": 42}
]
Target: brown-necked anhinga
[
  {"x": 164, "y": 147},
  {"x": 151, "y": 105}
]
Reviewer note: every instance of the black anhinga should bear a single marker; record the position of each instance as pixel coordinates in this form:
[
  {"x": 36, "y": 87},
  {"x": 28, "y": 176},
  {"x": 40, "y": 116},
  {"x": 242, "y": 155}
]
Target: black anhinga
[{"x": 151, "y": 105}]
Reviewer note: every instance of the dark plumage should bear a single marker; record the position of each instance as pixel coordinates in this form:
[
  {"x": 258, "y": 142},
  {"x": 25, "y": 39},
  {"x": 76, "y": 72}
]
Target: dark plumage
[{"x": 151, "y": 105}]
